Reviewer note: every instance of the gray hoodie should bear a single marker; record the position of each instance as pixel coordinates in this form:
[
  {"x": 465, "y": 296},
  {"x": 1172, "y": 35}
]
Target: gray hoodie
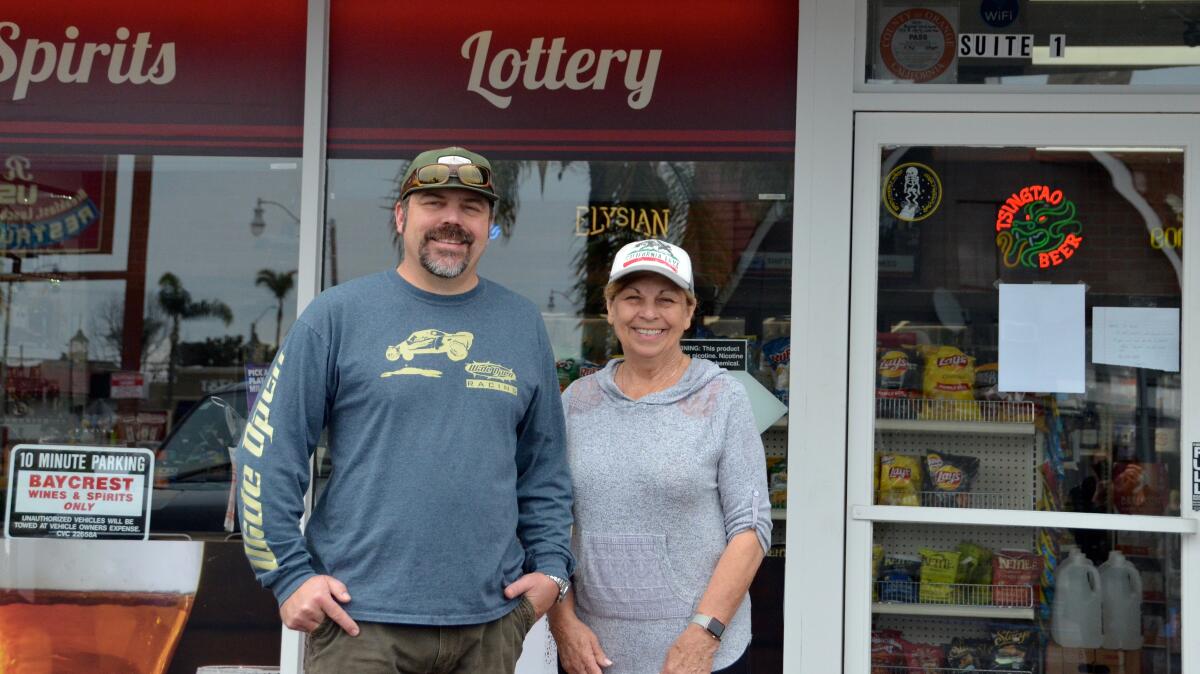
[{"x": 661, "y": 485}]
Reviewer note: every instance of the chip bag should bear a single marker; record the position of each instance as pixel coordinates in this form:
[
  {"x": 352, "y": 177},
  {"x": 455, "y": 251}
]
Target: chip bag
[
  {"x": 948, "y": 478},
  {"x": 939, "y": 570},
  {"x": 975, "y": 569},
  {"x": 948, "y": 374},
  {"x": 899, "y": 480}
]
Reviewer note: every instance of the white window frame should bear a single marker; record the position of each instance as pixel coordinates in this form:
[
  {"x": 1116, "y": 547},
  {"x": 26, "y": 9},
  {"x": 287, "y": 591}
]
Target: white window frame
[{"x": 874, "y": 131}]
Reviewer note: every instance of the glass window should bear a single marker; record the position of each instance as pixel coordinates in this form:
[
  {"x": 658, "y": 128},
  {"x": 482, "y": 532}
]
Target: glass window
[
  {"x": 1035, "y": 42},
  {"x": 149, "y": 179},
  {"x": 1027, "y": 351}
]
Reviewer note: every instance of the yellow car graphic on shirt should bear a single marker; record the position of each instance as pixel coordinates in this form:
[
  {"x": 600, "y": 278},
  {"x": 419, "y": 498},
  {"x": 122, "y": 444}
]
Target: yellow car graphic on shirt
[{"x": 456, "y": 345}]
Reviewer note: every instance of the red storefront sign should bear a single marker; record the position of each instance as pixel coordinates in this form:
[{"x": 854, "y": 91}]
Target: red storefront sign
[
  {"x": 134, "y": 76},
  {"x": 704, "y": 77}
]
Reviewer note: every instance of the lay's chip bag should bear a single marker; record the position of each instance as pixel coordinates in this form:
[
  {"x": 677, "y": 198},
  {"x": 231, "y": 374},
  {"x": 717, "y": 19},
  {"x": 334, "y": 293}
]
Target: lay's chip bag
[{"x": 899, "y": 480}]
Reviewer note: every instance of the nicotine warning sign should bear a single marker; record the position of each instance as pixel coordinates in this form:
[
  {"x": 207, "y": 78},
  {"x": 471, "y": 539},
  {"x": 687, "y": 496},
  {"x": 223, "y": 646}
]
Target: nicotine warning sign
[{"x": 66, "y": 491}]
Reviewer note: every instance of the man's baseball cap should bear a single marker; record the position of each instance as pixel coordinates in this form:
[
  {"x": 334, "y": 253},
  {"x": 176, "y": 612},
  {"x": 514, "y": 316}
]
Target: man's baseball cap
[
  {"x": 655, "y": 256},
  {"x": 451, "y": 157}
]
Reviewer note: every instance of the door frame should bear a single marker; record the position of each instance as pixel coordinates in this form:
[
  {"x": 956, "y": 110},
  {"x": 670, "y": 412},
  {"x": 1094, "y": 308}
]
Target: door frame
[{"x": 872, "y": 132}]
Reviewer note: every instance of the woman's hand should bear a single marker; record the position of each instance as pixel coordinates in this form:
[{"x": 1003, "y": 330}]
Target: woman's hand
[
  {"x": 579, "y": 650},
  {"x": 692, "y": 652}
]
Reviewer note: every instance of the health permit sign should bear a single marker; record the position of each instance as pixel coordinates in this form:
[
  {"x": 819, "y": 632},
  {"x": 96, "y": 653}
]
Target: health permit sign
[{"x": 65, "y": 491}]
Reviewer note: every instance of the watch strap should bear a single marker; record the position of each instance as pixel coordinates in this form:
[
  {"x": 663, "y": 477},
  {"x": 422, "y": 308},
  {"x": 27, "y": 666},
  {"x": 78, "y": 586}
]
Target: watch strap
[
  {"x": 563, "y": 585},
  {"x": 713, "y": 626}
]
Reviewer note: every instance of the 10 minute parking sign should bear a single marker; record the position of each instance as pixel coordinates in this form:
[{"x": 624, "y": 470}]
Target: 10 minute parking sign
[{"x": 66, "y": 491}]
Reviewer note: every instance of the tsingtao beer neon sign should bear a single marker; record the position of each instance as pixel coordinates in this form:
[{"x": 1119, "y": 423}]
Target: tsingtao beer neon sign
[{"x": 1036, "y": 228}]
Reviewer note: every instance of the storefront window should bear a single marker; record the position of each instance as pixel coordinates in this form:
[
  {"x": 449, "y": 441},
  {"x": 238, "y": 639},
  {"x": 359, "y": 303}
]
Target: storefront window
[
  {"x": 1027, "y": 359},
  {"x": 149, "y": 249},
  {"x": 604, "y": 125},
  {"x": 1035, "y": 42},
  {"x": 566, "y": 220}
]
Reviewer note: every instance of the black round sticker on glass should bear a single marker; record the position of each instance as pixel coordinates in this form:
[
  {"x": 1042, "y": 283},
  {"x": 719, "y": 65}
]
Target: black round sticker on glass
[{"x": 999, "y": 13}]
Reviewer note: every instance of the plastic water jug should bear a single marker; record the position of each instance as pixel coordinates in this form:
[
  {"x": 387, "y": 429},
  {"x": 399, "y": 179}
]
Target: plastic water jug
[
  {"x": 1075, "y": 615},
  {"x": 1122, "y": 602}
]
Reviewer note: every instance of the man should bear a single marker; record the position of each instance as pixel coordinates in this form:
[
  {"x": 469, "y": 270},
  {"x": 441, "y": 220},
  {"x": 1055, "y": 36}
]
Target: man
[{"x": 444, "y": 530}]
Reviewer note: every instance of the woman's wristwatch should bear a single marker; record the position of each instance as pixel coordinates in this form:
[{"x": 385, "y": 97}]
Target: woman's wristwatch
[
  {"x": 563, "y": 586},
  {"x": 713, "y": 626}
]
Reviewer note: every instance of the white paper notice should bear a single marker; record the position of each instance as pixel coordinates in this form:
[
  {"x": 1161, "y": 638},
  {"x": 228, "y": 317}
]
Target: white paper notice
[
  {"x": 1137, "y": 337},
  {"x": 1042, "y": 338}
]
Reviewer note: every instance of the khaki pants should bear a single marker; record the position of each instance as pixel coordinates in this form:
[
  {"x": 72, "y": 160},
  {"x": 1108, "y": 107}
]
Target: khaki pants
[{"x": 379, "y": 648}]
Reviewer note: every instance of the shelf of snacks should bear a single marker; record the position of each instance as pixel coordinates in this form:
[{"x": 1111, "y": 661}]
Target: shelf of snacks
[
  {"x": 1013, "y": 602},
  {"x": 1006, "y": 649},
  {"x": 877, "y": 669},
  {"x": 779, "y": 513},
  {"x": 954, "y": 416}
]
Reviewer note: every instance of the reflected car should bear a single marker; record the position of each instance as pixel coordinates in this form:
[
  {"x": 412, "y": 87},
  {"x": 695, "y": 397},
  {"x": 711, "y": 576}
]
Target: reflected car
[
  {"x": 456, "y": 345},
  {"x": 193, "y": 473}
]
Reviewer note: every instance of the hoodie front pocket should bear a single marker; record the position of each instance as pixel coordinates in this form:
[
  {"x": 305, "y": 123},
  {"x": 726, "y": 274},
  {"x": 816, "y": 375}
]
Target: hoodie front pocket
[{"x": 628, "y": 576}]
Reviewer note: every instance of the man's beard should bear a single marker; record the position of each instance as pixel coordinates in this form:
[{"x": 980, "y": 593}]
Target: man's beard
[{"x": 443, "y": 267}]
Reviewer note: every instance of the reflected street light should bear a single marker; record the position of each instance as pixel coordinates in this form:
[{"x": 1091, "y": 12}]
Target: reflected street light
[{"x": 258, "y": 224}]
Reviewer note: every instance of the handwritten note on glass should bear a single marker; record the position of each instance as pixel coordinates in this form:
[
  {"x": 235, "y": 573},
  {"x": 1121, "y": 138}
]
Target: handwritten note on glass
[
  {"x": 1137, "y": 337},
  {"x": 1042, "y": 338}
]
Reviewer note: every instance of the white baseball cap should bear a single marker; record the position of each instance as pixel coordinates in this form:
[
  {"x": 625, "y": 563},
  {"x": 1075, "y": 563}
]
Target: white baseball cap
[{"x": 657, "y": 256}]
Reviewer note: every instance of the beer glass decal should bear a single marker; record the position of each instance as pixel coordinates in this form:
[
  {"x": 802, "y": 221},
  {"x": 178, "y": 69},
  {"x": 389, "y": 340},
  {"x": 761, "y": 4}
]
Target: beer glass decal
[{"x": 95, "y": 607}]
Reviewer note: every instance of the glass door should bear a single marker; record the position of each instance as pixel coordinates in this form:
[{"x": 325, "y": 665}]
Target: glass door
[{"x": 1022, "y": 408}]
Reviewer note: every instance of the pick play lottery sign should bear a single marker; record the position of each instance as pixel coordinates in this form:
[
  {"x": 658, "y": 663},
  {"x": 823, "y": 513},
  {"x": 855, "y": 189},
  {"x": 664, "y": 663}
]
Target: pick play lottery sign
[{"x": 64, "y": 491}]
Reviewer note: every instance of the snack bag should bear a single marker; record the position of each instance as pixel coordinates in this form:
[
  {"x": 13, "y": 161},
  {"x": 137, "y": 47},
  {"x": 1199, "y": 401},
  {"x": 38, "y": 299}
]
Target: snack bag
[
  {"x": 899, "y": 578},
  {"x": 948, "y": 374},
  {"x": 987, "y": 381},
  {"x": 887, "y": 651},
  {"x": 1014, "y": 648},
  {"x": 924, "y": 658},
  {"x": 896, "y": 373},
  {"x": 939, "y": 569},
  {"x": 948, "y": 478},
  {"x": 568, "y": 371},
  {"x": 777, "y": 359},
  {"x": 587, "y": 367},
  {"x": 968, "y": 655},
  {"x": 777, "y": 481},
  {"x": 975, "y": 568},
  {"x": 1018, "y": 568},
  {"x": 899, "y": 480}
]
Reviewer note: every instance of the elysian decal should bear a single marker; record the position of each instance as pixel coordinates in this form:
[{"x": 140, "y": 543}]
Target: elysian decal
[
  {"x": 1036, "y": 228},
  {"x": 36, "y": 60},
  {"x": 583, "y": 69}
]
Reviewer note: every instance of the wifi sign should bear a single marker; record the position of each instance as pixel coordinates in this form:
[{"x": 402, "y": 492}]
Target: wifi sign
[{"x": 999, "y": 13}]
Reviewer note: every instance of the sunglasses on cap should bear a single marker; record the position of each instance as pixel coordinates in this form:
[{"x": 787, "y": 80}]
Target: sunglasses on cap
[{"x": 470, "y": 175}]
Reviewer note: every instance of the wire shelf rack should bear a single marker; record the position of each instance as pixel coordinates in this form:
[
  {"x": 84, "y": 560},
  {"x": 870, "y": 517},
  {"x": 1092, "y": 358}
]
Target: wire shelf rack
[
  {"x": 954, "y": 594},
  {"x": 926, "y": 409}
]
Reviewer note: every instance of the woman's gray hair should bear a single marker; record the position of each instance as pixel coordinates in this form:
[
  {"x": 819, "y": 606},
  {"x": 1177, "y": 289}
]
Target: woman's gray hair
[{"x": 614, "y": 287}]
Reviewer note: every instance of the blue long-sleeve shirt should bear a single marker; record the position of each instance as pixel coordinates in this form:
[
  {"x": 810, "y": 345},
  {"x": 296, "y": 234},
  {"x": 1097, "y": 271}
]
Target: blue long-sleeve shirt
[{"x": 446, "y": 436}]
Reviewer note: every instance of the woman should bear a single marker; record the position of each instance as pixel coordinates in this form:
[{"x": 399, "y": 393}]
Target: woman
[{"x": 671, "y": 511}]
